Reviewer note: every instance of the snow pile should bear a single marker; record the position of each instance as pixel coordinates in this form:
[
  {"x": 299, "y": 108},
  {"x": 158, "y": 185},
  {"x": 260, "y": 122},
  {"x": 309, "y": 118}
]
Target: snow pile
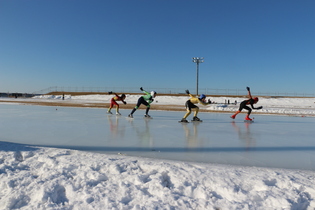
[
  {"x": 47, "y": 178},
  {"x": 58, "y": 97}
]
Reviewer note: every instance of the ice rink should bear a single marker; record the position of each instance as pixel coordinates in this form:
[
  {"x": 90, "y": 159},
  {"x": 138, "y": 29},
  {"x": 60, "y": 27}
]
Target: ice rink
[{"x": 271, "y": 141}]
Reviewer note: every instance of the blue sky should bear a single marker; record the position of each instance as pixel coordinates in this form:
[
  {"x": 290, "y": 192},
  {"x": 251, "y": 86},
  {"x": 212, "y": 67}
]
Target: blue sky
[{"x": 268, "y": 45}]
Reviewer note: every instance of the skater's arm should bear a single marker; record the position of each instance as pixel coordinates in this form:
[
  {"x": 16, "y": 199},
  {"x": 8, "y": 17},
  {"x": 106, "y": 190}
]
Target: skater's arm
[
  {"x": 249, "y": 94},
  {"x": 251, "y": 100},
  {"x": 144, "y": 91},
  {"x": 252, "y": 104},
  {"x": 122, "y": 99},
  {"x": 191, "y": 96},
  {"x": 116, "y": 97},
  {"x": 147, "y": 93},
  {"x": 202, "y": 102},
  {"x": 111, "y": 92},
  {"x": 260, "y": 107}
]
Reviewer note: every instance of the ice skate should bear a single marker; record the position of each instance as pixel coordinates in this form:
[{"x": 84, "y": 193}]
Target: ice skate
[
  {"x": 118, "y": 114},
  {"x": 147, "y": 116},
  {"x": 109, "y": 112},
  {"x": 130, "y": 116},
  {"x": 247, "y": 118},
  {"x": 196, "y": 119},
  {"x": 183, "y": 120},
  {"x": 233, "y": 116}
]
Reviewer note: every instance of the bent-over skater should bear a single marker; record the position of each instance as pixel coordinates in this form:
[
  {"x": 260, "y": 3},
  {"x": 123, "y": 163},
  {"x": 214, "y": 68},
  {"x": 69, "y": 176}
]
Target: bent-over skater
[
  {"x": 146, "y": 100},
  {"x": 190, "y": 105},
  {"x": 251, "y": 101},
  {"x": 113, "y": 102}
]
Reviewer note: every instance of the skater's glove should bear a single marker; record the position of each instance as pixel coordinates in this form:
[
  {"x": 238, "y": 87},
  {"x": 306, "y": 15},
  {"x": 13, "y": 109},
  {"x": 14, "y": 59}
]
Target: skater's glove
[
  {"x": 110, "y": 92},
  {"x": 141, "y": 89},
  {"x": 124, "y": 102},
  {"x": 209, "y": 102},
  {"x": 259, "y": 107},
  {"x": 248, "y": 88},
  {"x": 187, "y": 91}
]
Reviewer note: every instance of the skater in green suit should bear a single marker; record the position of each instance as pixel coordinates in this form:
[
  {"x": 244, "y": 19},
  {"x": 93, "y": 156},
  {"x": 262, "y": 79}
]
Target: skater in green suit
[{"x": 146, "y": 100}]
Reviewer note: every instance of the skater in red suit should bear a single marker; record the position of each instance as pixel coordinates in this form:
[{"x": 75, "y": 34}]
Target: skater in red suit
[
  {"x": 113, "y": 102},
  {"x": 251, "y": 101}
]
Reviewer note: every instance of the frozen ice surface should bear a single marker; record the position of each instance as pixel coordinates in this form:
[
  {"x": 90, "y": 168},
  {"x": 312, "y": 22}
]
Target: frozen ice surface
[{"x": 271, "y": 141}]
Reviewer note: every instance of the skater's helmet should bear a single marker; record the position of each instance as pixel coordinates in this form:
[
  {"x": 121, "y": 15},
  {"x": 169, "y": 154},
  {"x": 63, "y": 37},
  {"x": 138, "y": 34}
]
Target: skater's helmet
[
  {"x": 153, "y": 93},
  {"x": 202, "y": 96},
  {"x": 256, "y": 99}
]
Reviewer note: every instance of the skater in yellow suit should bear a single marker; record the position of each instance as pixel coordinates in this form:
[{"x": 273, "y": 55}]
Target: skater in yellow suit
[{"x": 190, "y": 105}]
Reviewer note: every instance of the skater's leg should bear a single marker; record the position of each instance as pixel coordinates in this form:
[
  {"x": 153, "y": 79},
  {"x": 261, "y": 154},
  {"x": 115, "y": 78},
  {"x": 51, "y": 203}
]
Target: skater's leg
[
  {"x": 196, "y": 110},
  {"x": 187, "y": 113},
  {"x": 117, "y": 109},
  {"x": 147, "y": 110},
  {"x": 140, "y": 100},
  {"x": 236, "y": 113},
  {"x": 110, "y": 108},
  {"x": 248, "y": 113},
  {"x": 189, "y": 107},
  {"x": 133, "y": 111},
  {"x": 248, "y": 109},
  {"x": 112, "y": 104},
  {"x": 144, "y": 102},
  {"x": 242, "y": 106}
]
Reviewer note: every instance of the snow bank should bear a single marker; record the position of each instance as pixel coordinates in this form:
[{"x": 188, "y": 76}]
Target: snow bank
[{"x": 47, "y": 178}]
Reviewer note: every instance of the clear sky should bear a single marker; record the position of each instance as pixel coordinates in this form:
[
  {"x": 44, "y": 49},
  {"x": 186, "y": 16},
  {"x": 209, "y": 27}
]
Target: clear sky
[{"x": 268, "y": 45}]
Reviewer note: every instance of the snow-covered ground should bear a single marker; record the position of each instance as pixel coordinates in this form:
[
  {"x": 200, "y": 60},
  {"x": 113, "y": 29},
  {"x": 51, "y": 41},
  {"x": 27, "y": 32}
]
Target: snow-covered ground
[
  {"x": 272, "y": 105},
  {"x": 33, "y": 177},
  {"x": 47, "y": 178}
]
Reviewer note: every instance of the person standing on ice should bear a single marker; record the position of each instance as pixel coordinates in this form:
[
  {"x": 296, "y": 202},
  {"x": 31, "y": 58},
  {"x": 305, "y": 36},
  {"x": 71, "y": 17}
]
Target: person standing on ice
[
  {"x": 113, "y": 102},
  {"x": 145, "y": 100},
  {"x": 251, "y": 101},
  {"x": 190, "y": 105}
]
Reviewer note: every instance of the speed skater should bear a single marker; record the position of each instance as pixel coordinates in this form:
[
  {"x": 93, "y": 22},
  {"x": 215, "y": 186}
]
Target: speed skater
[
  {"x": 190, "y": 105},
  {"x": 251, "y": 101},
  {"x": 113, "y": 102},
  {"x": 146, "y": 100}
]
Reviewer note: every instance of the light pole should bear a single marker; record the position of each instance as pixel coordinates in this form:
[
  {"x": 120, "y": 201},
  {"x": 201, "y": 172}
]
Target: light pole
[{"x": 197, "y": 60}]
